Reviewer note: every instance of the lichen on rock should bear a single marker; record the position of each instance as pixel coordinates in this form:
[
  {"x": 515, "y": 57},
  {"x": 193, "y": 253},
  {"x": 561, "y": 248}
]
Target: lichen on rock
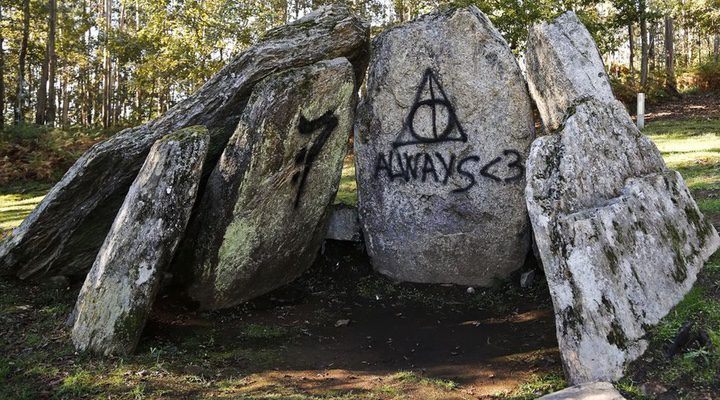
[
  {"x": 263, "y": 216},
  {"x": 620, "y": 237},
  {"x": 119, "y": 291}
]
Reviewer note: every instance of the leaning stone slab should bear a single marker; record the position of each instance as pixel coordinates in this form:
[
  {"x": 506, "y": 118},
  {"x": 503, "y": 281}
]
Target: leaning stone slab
[
  {"x": 565, "y": 69},
  {"x": 441, "y": 141},
  {"x": 120, "y": 289},
  {"x": 263, "y": 216},
  {"x": 620, "y": 237},
  {"x": 586, "y": 391},
  {"x": 63, "y": 234}
]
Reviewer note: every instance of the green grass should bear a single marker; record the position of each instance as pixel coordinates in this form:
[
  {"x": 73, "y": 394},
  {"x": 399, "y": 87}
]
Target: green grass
[
  {"x": 412, "y": 377},
  {"x": 692, "y": 147},
  {"x": 17, "y": 201},
  {"x": 540, "y": 384},
  {"x": 347, "y": 192}
]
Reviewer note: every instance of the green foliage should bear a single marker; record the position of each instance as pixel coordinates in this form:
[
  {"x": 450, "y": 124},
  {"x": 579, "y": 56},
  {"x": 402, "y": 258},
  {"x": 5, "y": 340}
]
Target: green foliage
[
  {"x": 708, "y": 77},
  {"x": 41, "y": 153},
  {"x": 626, "y": 87}
]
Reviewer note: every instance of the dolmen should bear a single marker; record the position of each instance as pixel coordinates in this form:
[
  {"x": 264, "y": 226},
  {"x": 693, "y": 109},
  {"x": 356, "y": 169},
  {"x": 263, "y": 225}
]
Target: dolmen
[{"x": 230, "y": 192}]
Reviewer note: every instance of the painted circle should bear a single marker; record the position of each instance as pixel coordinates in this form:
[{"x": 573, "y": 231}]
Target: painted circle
[{"x": 431, "y": 103}]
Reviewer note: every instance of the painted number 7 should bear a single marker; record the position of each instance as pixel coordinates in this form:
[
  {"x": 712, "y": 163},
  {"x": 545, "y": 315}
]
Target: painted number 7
[{"x": 305, "y": 157}]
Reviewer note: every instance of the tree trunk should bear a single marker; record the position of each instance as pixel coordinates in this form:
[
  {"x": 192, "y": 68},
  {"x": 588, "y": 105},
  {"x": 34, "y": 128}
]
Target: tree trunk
[
  {"x": 2, "y": 77},
  {"x": 107, "y": 67},
  {"x": 52, "y": 65},
  {"x": 670, "y": 84},
  {"x": 117, "y": 104},
  {"x": 41, "y": 97},
  {"x": 643, "y": 46},
  {"x": 688, "y": 47},
  {"x": 20, "y": 106},
  {"x": 651, "y": 46},
  {"x": 716, "y": 47},
  {"x": 65, "y": 99},
  {"x": 632, "y": 52}
]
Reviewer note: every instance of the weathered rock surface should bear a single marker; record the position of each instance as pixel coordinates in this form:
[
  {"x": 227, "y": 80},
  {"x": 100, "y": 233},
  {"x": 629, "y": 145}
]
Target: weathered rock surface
[
  {"x": 620, "y": 237},
  {"x": 63, "y": 234},
  {"x": 120, "y": 289},
  {"x": 565, "y": 69},
  {"x": 441, "y": 141},
  {"x": 586, "y": 391},
  {"x": 263, "y": 216},
  {"x": 344, "y": 224}
]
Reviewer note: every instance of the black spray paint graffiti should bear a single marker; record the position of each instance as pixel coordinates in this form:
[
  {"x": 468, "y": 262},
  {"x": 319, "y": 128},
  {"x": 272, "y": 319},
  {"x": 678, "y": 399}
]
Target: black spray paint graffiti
[
  {"x": 431, "y": 101},
  {"x": 433, "y": 120},
  {"x": 422, "y": 166},
  {"x": 305, "y": 157}
]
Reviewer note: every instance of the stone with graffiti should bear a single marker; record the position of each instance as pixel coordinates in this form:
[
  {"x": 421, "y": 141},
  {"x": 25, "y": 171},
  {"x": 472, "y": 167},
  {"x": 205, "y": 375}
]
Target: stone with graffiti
[
  {"x": 263, "y": 216},
  {"x": 441, "y": 140}
]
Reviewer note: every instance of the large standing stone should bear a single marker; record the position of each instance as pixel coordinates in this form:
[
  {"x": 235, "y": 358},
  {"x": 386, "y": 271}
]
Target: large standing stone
[
  {"x": 441, "y": 141},
  {"x": 263, "y": 216},
  {"x": 620, "y": 237},
  {"x": 63, "y": 234},
  {"x": 120, "y": 289}
]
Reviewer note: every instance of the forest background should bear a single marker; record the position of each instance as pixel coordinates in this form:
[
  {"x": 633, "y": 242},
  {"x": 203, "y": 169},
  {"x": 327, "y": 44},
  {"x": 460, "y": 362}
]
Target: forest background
[{"x": 74, "y": 72}]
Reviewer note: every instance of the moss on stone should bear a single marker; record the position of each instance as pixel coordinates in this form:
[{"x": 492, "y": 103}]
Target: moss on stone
[
  {"x": 703, "y": 227},
  {"x": 612, "y": 260},
  {"x": 128, "y": 328},
  {"x": 616, "y": 336},
  {"x": 185, "y": 134}
]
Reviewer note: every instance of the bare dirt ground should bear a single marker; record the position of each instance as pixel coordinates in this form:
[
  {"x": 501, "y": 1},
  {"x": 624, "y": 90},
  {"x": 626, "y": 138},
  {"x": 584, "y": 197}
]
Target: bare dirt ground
[
  {"x": 340, "y": 331},
  {"x": 687, "y": 106},
  {"x": 349, "y": 330}
]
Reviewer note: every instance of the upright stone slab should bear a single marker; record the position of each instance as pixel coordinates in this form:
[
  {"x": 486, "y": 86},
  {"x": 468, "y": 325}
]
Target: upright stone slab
[
  {"x": 63, "y": 234},
  {"x": 263, "y": 216},
  {"x": 120, "y": 289},
  {"x": 620, "y": 237},
  {"x": 441, "y": 141}
]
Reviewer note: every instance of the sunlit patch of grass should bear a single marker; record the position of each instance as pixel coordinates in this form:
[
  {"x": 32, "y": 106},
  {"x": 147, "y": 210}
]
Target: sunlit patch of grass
[
  {"x": 692, "y": 147},
  {"x": 630, "y": 390},
  {"x": 411, "y": 377},
  {"x": 537, "y": 386},
  {"x": 78, "y": 384},
  {"x": 17, "y": 201},
  {"x": 347, "y": 192}
]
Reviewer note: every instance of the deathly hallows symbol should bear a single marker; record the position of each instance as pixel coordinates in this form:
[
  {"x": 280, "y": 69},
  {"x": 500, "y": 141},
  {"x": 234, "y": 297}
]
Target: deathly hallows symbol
[
  {"x": 432, "y": 118},
  {"x": 305, "y": 157}
]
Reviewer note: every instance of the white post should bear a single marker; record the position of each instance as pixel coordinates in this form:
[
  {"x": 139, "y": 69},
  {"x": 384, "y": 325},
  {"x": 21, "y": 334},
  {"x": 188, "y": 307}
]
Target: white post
[{"x": 640, "y": 111}]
